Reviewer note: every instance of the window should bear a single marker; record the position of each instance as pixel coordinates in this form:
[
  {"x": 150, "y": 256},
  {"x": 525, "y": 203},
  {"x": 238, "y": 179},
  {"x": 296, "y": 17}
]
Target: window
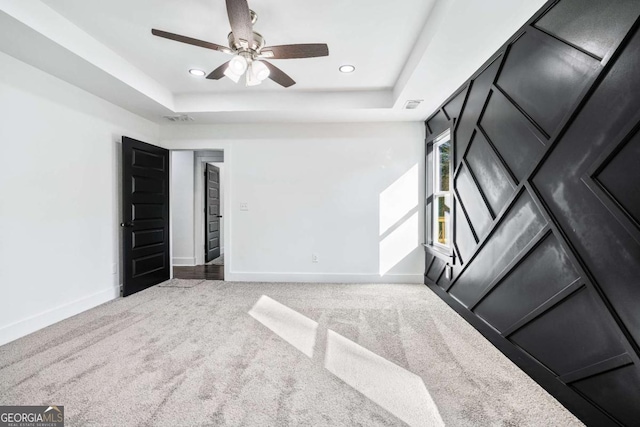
[
  {"x": 442, "y": 191},
  {"x": 439, "y": 197}
]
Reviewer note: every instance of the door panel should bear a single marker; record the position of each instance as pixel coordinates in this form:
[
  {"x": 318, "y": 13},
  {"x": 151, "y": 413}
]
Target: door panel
[
  {"x": 145, "y": 227},
  {"x": 212, "y": 203}
]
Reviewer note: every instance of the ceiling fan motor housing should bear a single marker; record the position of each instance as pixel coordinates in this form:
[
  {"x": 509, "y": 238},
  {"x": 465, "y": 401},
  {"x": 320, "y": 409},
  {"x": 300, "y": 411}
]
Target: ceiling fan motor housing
[
  {"x": 258, "y": 40},
  {"x": 256, "y": 46}
]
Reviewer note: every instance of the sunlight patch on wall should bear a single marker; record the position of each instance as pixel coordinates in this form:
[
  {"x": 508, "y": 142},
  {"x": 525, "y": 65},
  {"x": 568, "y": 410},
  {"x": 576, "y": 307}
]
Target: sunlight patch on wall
[
  {"x": 399, "y": 243},
  {"x": 385, "y": 383},
  {"x": 293, "y": 327},
  {"x": 399, "y": 199}
]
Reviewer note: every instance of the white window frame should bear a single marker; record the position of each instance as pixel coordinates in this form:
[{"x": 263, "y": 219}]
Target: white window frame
[{"x": 443, "y": 138}]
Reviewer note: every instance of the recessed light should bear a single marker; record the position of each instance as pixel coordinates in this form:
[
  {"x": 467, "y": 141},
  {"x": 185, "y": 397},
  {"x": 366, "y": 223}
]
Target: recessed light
[
  {"x": 347, "y": 69},
  {"x": 196, "y": 72}
]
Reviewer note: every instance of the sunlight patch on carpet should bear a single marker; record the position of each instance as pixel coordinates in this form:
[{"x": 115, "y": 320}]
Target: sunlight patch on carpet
[
  {"x": 385, "y": 383},
  {"x": 390, "y": 386},
  {"x": 293, "y": 327}
]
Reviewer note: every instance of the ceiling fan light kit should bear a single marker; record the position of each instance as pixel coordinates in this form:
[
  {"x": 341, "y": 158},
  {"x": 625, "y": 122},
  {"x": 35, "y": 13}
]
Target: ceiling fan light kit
[
  {"x": 251, "y": 79},
  {"x": 249, "y": 50},
  {"x": 259, "y": 70},
  {"x": 233, "y": 76},
  {"x": 238, "y": 65}
]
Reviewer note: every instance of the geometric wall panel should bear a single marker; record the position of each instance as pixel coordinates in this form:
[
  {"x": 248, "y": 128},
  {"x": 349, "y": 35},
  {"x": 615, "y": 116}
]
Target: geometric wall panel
[
  {"x": 616, "y": 392},
  {"x": 603, "y": 243},
  {"x": 544, "y": 272},
  {"x": 515, "y": 138},
  {"x": 472, "y": 199},
  {"x": 454, "y": 107},
  {"x": 572, "y": 335},
  {"x": 621, "y": 177},
  {"x": 492, "y": 178},
  {"x": 473, "y": 108},
  {"x": 552, "y": 276},
  {"x": 545, "y": 77},
  {"x": 436, "y": 269},
  {"x": 445, "y": 282},
  {"x": 517, "y": 230},
  {"x": 438, "y": 123},
  {"x": 600, "y": 26},
  {"x": 465, "y": 242}
]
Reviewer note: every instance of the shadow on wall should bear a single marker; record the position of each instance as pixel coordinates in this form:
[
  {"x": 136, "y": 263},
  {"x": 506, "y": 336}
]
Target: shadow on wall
[
  {"x": 399, "y": 220},
  {"x": 390, "y": 386}
]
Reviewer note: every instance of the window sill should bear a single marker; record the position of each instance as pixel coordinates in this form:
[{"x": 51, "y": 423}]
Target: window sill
[{"x": 443, "y": 254}]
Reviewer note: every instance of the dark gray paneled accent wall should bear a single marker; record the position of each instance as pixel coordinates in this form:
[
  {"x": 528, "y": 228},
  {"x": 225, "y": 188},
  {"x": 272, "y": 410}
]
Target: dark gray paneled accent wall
[{"x": 547, "y": 204}]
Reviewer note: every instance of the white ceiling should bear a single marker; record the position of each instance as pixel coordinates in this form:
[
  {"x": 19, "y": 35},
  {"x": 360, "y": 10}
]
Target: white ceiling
[
  {"x": 376, "y": 37},
  {"x": 407, "y": 49}
]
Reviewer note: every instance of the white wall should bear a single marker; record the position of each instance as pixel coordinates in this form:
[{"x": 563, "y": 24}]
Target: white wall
[
  {"x": 349, "y": 193},
  {"x": 182, "y": 190},
  {"x": 59, "y": 205}
]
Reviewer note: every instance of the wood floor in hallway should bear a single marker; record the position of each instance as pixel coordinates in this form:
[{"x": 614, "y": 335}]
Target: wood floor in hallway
[{"x": 203, "y": 272}]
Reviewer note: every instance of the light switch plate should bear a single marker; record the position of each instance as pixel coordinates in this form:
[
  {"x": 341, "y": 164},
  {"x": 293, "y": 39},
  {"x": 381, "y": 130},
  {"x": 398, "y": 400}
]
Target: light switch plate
[{"x": 244, "y": 206}]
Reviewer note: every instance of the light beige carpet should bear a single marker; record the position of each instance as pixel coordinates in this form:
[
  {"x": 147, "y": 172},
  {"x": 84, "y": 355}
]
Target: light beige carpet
[{"x": 264, "y": 354}]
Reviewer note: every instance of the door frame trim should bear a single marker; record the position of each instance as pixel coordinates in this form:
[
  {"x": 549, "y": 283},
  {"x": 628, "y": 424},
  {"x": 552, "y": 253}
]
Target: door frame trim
[{"x": 227, "y": 186}]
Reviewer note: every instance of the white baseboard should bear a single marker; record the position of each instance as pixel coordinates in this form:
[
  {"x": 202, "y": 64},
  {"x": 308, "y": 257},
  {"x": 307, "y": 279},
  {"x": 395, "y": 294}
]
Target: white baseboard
[
  {"x": 184, "y": 262},
  {"x": 238, "y": 276},
  {"x": 34, "y": 323}
]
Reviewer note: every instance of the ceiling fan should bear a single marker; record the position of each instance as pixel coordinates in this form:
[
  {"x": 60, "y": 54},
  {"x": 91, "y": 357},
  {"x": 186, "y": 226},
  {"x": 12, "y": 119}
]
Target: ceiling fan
[{"x": 249, "y": 50}]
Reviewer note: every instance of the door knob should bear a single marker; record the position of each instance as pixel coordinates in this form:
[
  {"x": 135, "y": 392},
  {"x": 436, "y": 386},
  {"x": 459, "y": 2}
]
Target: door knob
[{"x": 219, "y": 216}]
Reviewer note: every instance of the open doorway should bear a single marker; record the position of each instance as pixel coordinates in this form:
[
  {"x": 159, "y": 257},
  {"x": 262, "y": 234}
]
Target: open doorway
[{"x": 197, "y": 186}]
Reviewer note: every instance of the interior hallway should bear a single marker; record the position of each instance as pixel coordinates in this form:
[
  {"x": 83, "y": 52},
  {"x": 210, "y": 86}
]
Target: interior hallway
[{"x": 193, "y": 352}]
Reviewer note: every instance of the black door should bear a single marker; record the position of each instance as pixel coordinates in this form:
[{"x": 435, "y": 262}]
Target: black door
[
  {"x": 212, "y": 205},
  {"x": 145, "y": 227}
]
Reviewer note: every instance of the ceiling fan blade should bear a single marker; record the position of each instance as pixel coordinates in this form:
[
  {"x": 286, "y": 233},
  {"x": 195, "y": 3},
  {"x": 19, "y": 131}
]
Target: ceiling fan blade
[
  {"x": 218, "y": 73},
  {"x": 279, "y": 76},
  {"x": 191, "y": 41},
  {"x": 289, "y": 51},
  {"x": 240, "y": 20}
]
